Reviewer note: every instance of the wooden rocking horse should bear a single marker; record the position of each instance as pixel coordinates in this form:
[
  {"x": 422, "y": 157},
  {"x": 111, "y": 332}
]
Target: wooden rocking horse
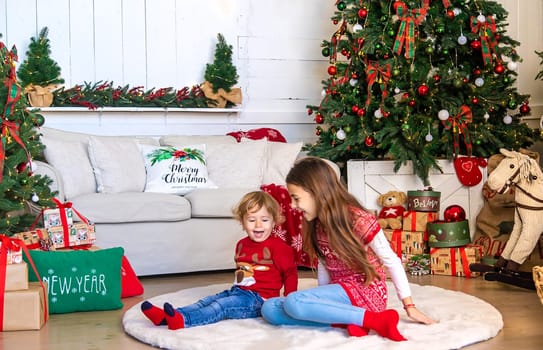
[{"x": 524, "y": 174}]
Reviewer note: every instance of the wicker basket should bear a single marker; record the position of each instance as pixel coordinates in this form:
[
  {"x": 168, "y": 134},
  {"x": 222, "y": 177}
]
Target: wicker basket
[{"x": 538, "y": 280}]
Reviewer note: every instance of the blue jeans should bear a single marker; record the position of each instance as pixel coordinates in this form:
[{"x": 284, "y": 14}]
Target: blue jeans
[
  {"x": 317, "y": 307},
  {"x": 235, "y": 303}
]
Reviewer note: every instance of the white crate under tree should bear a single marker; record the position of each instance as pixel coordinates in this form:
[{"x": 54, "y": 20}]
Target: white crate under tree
[{"x": 367, "y": 180}]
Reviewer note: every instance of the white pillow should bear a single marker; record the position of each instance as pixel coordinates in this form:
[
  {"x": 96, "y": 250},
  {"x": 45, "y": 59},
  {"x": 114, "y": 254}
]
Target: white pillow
[
  {"x": 177, "y": 170},
  {"x": 117, "y": 163},
  {"x": 237, "y": 165},
  {"x": 71, "y": 160},
  {"x": 281, "y": 157}
]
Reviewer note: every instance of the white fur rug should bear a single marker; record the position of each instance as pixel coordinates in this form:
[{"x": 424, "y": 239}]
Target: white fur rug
[{"x": 463, "y": 320}]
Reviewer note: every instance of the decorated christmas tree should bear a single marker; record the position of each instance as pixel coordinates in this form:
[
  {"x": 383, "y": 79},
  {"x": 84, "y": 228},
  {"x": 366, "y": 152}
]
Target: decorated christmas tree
[
  {"x": 20, "y": 189},
  {"x": 39, "y": 68},
  {"x": 419, "y": 80}
]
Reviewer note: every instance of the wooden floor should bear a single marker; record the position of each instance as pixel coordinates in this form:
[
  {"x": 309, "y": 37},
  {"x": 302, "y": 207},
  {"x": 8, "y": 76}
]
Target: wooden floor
[{"x": 521, "y": 309}]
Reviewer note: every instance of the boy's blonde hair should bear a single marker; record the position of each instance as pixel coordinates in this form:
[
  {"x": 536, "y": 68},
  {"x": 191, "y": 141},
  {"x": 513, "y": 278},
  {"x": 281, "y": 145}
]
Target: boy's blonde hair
[{"x": 255, "y": 200}]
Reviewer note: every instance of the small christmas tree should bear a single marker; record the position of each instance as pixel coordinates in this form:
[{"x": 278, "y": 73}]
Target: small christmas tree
[
  {"x": 20, "y": 189},
  {"x": 418, "y": 80},
  {"x": 222, "y": 74},
  {"x": 39, "y": 68}
]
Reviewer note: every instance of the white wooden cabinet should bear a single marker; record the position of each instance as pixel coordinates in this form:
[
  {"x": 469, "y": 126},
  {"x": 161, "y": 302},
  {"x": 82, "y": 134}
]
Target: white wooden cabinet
[{"x": 366, "y": 180}]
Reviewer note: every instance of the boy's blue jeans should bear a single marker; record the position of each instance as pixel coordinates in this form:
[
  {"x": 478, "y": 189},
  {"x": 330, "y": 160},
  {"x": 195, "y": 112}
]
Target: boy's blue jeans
[
  {"x": 235, "y": 303},
  {"x": 320, "y": 306}
]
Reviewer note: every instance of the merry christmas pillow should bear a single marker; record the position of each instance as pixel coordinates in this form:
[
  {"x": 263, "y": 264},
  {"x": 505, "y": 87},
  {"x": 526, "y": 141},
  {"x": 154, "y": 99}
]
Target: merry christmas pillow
[{"x": 176, "y": 170}]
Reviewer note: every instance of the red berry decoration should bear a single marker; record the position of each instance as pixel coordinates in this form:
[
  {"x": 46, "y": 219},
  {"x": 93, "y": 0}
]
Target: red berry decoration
[
  {"x": 363, "y": 12},
  {"x": 499, "y": 69},
  {"x": 369, "y": 141},
  {"x": 454, "y": 213},
  {"x": 332, "y": 70},
  {"x": 423, "y": 90},
  {"x": 319, "y": 119}
]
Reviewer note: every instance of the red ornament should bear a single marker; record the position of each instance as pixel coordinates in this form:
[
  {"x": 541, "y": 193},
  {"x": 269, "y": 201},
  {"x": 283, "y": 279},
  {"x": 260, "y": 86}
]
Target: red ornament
[
  {"x": 335, "y": 21},
  {"x": 361, "y": 112},
  {"x": 386, "y": 114},
  {"x": 499, "y": 69},
  {"x": 423, "y": 90},
  {"x": 332, "y": 70},
  {"x": 319, "y": 119},
  {"x": 354, "y": 76},
  {"x": 369, "y": 141},
  {"x": 450, "y": 14},
  {"x": 437, "y": 78},
  {"x": 318, "y": 131},
  {"x": 524, "y": 109},
  {"x": 309, "y": 111},
  {"x": 21, "y": 167},
  {"x": 412, "y": 103},
  {"x": 363, "y": 12},
  {"x": 476, "y": 45},
  {"x": 355, "y": 109},
  {"x": 344, "y": 52},
  {"x": 475, "y": 100},
  {"x": 476, "y": 71},
  {"x": 454, "y": 213}
]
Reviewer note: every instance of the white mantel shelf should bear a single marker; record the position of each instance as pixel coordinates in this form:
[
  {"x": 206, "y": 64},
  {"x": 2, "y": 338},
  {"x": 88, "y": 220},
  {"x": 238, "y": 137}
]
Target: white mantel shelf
[{"x": 151, "y": 121}]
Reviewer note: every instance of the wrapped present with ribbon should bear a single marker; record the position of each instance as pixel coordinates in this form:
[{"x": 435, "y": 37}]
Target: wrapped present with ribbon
[
  {"x": 417, "y": 220},
  {"x": 406, "y": 242},
  {"x": 443, "y": 234},
  {"x": 36, "y": 239},
  {"x": 23, "y": 309},
  {"x": 455, "y": 261},
  {"x": 418, "y": 264}
]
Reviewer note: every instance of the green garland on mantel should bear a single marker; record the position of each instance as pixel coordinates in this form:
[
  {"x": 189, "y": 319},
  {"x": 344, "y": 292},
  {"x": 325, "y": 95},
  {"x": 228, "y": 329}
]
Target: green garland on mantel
[{"x": 105, "y": 94}]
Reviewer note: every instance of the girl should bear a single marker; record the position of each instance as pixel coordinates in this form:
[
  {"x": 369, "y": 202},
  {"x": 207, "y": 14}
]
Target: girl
[
  {"x": 352, "y": 249},
  {"x": 264, "y": 265}
]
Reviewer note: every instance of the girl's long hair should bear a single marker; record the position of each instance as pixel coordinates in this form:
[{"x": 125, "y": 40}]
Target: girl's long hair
[{"x": 333, "y": 203}]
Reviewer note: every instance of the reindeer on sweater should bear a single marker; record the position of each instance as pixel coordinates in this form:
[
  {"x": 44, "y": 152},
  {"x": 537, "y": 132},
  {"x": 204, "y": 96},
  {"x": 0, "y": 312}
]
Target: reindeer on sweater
[{"x": 245, "y": 271}]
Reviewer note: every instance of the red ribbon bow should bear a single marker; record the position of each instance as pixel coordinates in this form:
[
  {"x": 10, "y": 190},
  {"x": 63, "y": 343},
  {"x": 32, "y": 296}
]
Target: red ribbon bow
[
  {"x": 486, "y": 31},
  {"x": 376, "y": 73},
  {"x": 459, "y": 125},
  {"x": 406, "y": 32}
]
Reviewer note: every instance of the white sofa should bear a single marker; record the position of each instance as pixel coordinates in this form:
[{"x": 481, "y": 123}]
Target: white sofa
[{"x": 105, "y": 179}]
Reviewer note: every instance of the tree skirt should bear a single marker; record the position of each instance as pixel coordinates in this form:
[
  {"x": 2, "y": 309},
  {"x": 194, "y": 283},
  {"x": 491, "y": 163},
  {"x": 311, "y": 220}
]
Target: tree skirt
[{"x": 463, "y": 320}]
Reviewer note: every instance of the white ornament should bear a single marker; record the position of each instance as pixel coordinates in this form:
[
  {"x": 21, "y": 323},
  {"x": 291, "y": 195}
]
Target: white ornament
[
  {"x": 340, "y": 134},
  {"x": 512, "y": 65},
  {"x": 353, "y": 82},
  {"x": 457, "y": 11},
  {"x": 462, "y": 40},
  {"x": 35, "y": 198},
  {"x": 486, "y": 116},
  {"x": 507, "y": 119},
  {"x": 443, "y": 114},
  {"x": 397, "y": 90},
  {"x": 378, "y": 114},
  {"x": 356, "y": 28},
  {"x": 479, "y": 82},
  {"x": 481, "y": 18},
  {"x": 323, "y": 93},
  {"x": 429, "y": 137}
]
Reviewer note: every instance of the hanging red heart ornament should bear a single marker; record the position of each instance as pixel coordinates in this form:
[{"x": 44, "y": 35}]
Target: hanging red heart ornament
[{"x": 467, "y": 170}]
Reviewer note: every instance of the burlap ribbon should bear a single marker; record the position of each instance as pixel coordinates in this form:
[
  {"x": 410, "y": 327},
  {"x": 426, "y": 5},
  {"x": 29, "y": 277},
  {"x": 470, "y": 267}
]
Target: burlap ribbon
[
  {"x": 458, "y": 124},
  {"x": 40, "y": 96},
  {"x": 221, "y": 97},
  {"x": 486, "y": 31}
]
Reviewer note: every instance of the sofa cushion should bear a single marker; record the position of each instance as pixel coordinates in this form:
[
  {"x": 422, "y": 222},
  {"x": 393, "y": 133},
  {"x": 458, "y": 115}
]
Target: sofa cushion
[
  {"x": 177, "y": 170},
  {"x": 237, "y": 165},
  {"x": 71, "y": 160},
  {"x": 215, "y": 202},
  {"x": 280, "y": 157},
  {"x": 132, "y": 207},
  {"x": 171, "y": 140},
  {"x": 117, "y": 163}
]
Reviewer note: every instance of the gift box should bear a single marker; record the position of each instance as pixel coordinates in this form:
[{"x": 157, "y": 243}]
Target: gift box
[
  {"x": 14, "y": 256},
  {"x": 52, "y": 217},
  {"x": 455, "y": 261},
  {"x": 406, "y": 242},
  {"x": 418, "y": 264},
  {"x": 423, "y": 200},
  {"x": 76, "y": 234},
  {"x": 448, "y": 234},
  {"x": 25, "y": 309},
  {"x": 417, "y": 220},
  {"x": 16, "y": 277},
  {"x": 36, "y": 239}
]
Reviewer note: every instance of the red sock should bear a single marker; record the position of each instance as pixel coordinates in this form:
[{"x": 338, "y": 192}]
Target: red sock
[
  {"x": 385, "y": 323},
  {"x": 173, "y": 318},
  {"x": 153, "y": 313},
  {"x": 357, "y": 331}
]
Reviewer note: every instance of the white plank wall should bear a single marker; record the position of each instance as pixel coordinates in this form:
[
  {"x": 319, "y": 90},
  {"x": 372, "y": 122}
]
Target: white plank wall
[{"x": 160, "y": 43}]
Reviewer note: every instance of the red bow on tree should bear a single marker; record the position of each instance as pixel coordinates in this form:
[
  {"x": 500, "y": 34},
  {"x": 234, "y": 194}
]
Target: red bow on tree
[{"x": 459, "y": 125}]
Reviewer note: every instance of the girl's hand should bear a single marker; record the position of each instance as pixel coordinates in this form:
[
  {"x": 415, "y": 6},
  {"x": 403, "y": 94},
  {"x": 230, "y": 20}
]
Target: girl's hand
[{"x": 418, "y": 316}]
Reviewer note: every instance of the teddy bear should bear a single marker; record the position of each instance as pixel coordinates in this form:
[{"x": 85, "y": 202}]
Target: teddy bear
[{"x": 391, "y": 214}]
